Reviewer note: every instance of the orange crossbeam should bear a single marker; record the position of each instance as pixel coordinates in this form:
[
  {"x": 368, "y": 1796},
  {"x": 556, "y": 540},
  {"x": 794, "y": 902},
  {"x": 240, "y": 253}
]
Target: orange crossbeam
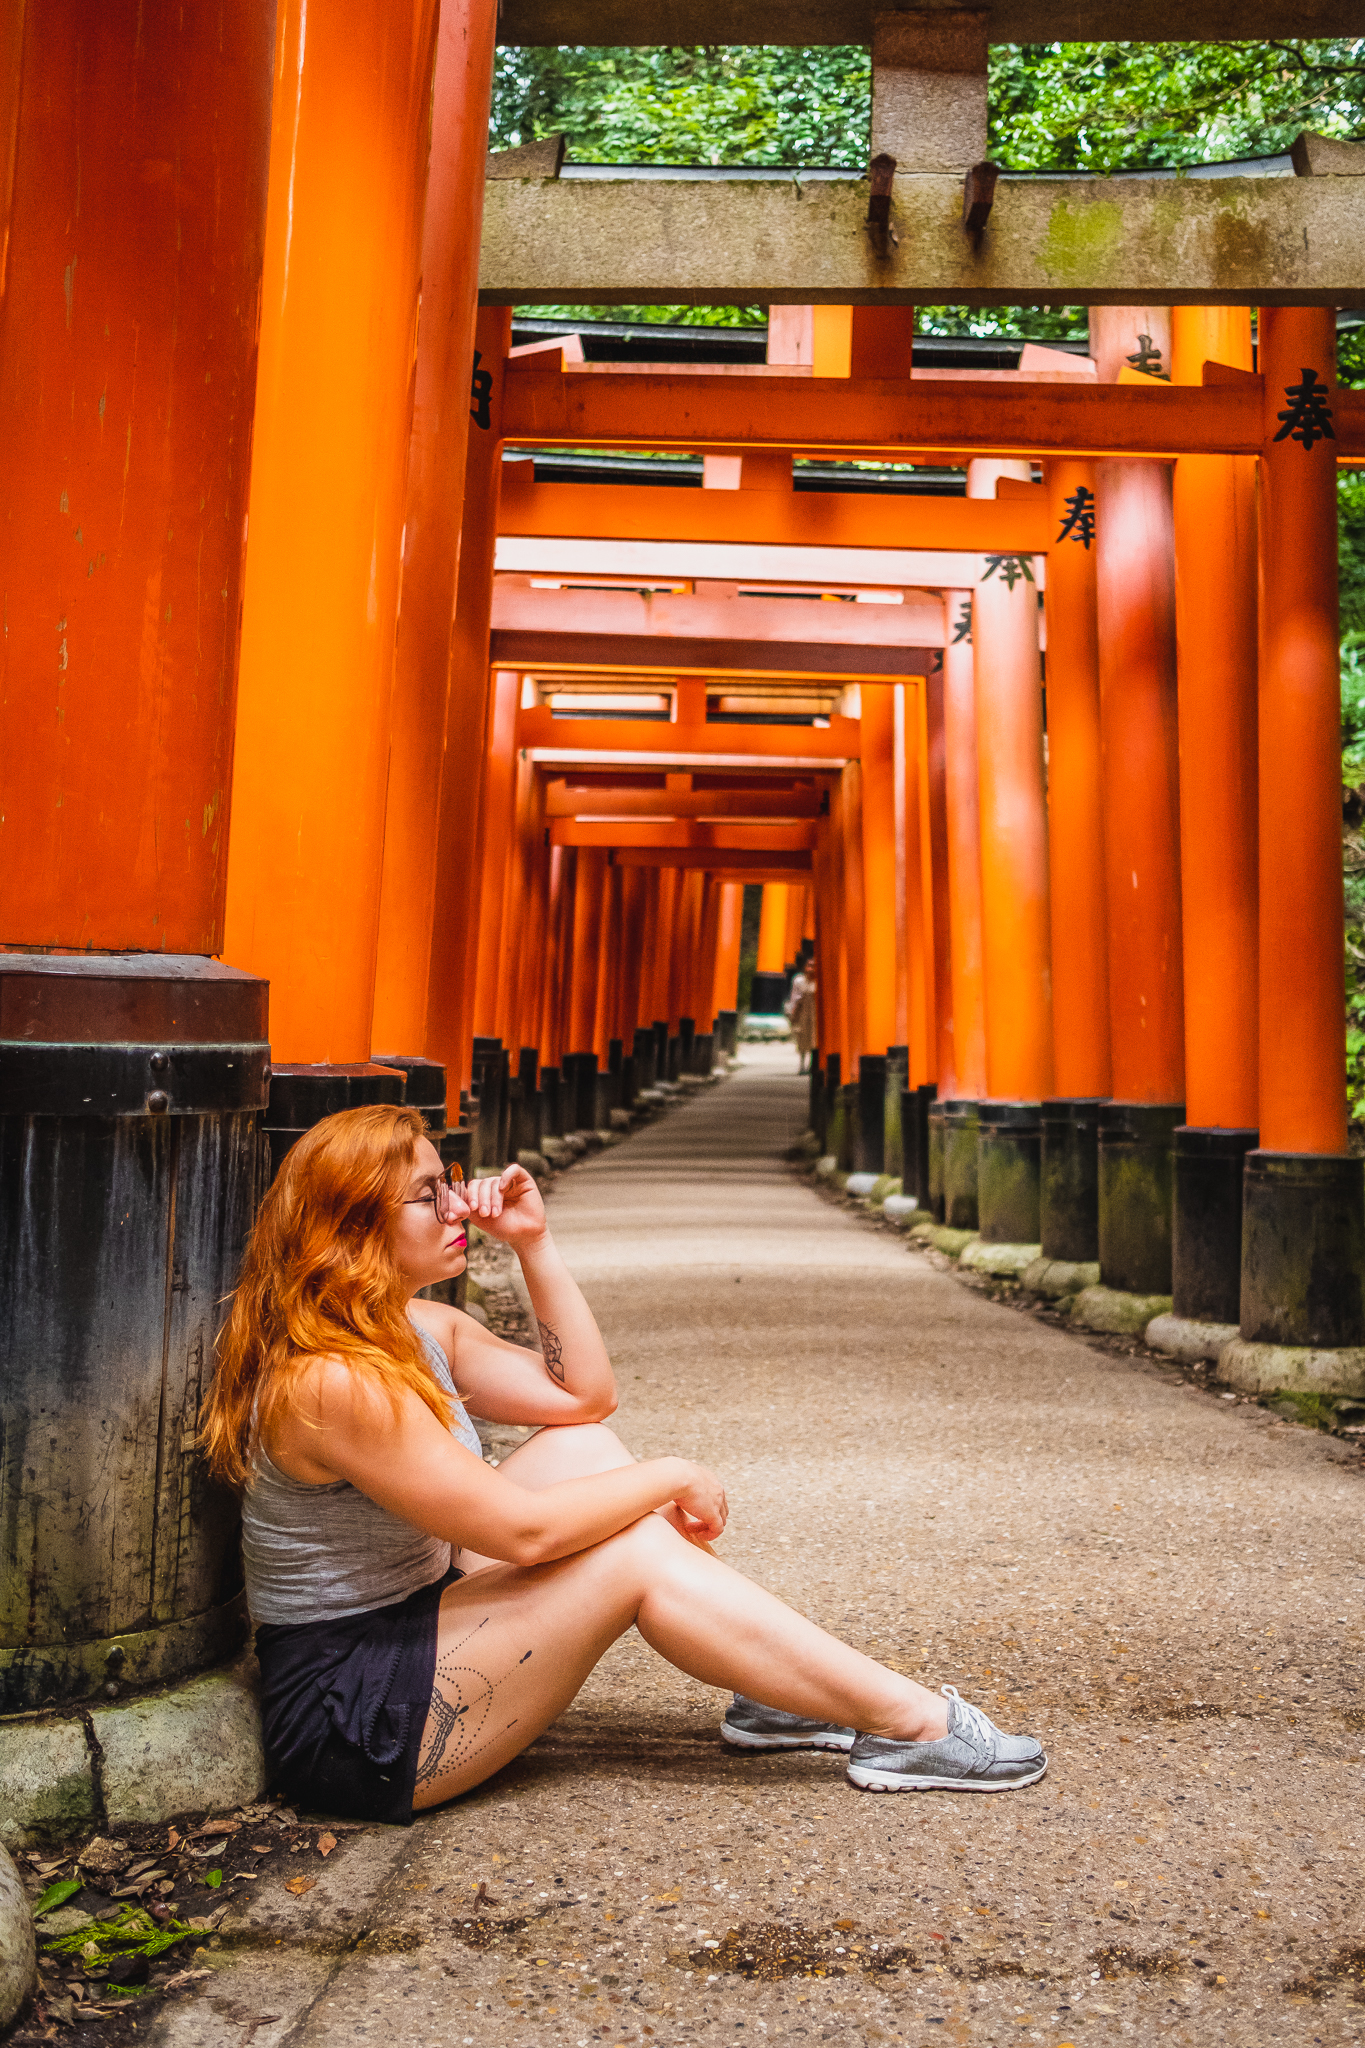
[
  {"x": 847, "y": 415},
  {"x": 1010, "y": 526},
  {"x": 682, "y": 832},
  {"x": 753, "y": 866},
  {"x": 563, "y": 802},
  {"x": 538, "y": 727}
]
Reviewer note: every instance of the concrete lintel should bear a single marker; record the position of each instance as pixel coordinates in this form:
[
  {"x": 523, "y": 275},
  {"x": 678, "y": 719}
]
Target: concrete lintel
[{"x": 1050, "y": 241}]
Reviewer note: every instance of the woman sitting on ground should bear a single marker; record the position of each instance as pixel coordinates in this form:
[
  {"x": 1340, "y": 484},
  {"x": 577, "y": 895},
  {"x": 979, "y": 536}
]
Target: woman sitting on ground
[{"x": 420, "y": 1615}]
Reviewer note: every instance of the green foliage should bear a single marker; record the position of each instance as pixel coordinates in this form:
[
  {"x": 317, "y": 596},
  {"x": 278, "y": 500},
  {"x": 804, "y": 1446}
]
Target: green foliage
[
  {"x": 55, "y": 1894},
  {"x": 132, "y": 1932},
  {"x": 1054, "y": 106},
  {"x": 1100, "y": 107},
  {"x": 687, "y": 106}
]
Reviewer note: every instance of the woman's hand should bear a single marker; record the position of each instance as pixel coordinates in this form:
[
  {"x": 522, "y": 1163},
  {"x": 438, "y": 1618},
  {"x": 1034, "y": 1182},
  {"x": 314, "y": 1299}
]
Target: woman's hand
[
  {"x": 703, "y": 1505},
  {"x": 508, "y": 1207}
]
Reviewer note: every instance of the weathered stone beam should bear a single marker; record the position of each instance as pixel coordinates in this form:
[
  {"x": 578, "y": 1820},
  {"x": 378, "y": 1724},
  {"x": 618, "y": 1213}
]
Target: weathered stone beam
[
  {"x": 1050, "y": 241},
  {"x": 799, "y": 22}
]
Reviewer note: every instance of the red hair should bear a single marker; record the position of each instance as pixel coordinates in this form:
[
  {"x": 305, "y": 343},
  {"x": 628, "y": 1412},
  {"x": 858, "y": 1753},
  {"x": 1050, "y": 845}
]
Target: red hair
[{"x": 319, "y": 1279}]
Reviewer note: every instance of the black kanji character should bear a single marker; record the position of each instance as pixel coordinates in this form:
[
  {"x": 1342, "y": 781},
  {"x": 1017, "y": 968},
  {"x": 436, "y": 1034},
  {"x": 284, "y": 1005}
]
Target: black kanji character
[
  {"x": 1011, "y": 567},
  {"x": 1148, "y": 357},
  {"x": 963, "y": 628},
  {"x": 1308, "y": 416},
  {"x": 1079, "y": 523},
  {"x": 481, "y": 388}
]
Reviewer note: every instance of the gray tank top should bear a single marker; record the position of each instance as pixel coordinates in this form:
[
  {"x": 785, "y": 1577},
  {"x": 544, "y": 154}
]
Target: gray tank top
[{"x": 314, "y": 1553}]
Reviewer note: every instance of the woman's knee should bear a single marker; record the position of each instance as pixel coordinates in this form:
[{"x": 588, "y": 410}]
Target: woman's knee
[{"x": 571, "y": 1450}]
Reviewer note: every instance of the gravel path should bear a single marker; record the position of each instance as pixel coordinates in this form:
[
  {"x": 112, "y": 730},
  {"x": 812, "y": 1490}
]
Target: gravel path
[{"x": 1164, "y": 1586}]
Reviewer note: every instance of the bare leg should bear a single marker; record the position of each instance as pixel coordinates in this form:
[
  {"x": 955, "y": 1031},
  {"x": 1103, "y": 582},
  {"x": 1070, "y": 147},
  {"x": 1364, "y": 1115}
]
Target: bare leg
[{"x": 516, "y": 1643}]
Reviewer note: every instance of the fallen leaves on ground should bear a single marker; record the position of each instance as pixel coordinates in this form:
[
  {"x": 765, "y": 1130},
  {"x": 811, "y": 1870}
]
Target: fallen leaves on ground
[
  {"x": 326, "y": 1844},
  {"x": 299, "y": 1885}
]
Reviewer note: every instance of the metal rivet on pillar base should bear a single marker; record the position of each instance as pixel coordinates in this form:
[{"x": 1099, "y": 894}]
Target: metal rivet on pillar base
[
  {"x": 301, "y": 1096},
  {"x": 869, "y": 1149},
  {"x": 1007, "y": 1167},
  {"x": 1135, "y": 1190},
  {"x": 1206, "y": 1237},
  {"x": 935, "y": 1150},
  {"x": 1069, "y": 1179},
  {"x": 961, "y": 1133},
  {"x": 132, "y": 1225},
  {"x": 1303, "y": 1250}
]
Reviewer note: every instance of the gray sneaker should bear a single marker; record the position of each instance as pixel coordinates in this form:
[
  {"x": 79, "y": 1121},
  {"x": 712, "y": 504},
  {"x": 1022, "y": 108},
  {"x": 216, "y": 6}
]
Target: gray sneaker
[
  {"x": 751, "y": 1726},
  {"x": 974, "y": 1756}
]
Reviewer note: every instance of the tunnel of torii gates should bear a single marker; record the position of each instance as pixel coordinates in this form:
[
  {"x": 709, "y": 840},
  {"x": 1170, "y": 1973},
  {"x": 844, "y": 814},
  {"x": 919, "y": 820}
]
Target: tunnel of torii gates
[{"x": 312, "y": 692}]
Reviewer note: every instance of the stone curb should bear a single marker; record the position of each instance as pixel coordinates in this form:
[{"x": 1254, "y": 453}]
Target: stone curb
[
  {"x": 18, "y": 1953},
  {"x": 901, "y": 1210},
  {"x": 1111, "y": 1313},
  {"x": 1003, "y": 1261},
  {"x": 192, "y": 1747},
  {"x": 1057, "y": 1278},
  {"x": 941, "y": 1238},
  {"x": 1190, "y": 1341},
  {"x": 1285, "y": 1368}
]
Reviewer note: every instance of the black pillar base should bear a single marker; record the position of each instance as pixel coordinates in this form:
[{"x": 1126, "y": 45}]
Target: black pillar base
[
  {"x": 727, "y": 1031},
  {"x": 301, "y": 1096},
  {"x": 767, "y": 995},
  {"x": 1303, "y": 1250},
  {"x": 551, "y": 1087},
  {"x": 1206, "y": 1235},
  {"x": 961, "y": 1142},
  {"x": 1136, "y": 1195},
  {"x": 831, "y": 1075},
  {"x": 935, "y": 1150},
  {"x": 1069, "y": 1179},
  {"x": 1008, "y": 1165},
  {"x": 897, "y": 1076},
  {"x": 869, "y": 1147},
  {"x": 486, "y": 1084},
  {"x": 131, "y": 1164},
  {"x": 425, "y": 1086},
  {"x": 642, "y": 1054},
  {"x": 687, "y": 1035},
  {"x": 915, "y": 1105},
  {"x": 703, "y": 1053}
]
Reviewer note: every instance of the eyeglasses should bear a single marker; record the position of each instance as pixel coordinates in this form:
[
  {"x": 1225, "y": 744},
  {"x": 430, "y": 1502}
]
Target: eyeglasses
[{"x": 441, "y": 1194}]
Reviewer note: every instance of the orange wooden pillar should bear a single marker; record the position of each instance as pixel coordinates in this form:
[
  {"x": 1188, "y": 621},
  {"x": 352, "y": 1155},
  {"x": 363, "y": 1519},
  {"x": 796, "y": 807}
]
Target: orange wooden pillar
[
  {"x": 855, "y": 917},
  {"x": 880, "y": 949},
  {"x": 1015, "y": 937},
  {"x": 634, "y": 889},
  {"x": 725, "y": 989},
  {"x": 966, "y": 1076},
  {"x": 1214, "y": 517},
  {"x": 496, "y": 834},
  {"x": 770, "y": 983},
  {"x": 329, "y": 455},
  {"x": 431, "y": 528},
  {"x": 1135, "y": 602},
  {"x": 796, "y": 920},
  {"x": 915, "y": 899},
  {"x": 1303, "y": 1254},
  {"x": 455, "y": 924},
  {"x": 133, "y": 164},
  {"x": 935, "y": 838},
  {"x": 687, "y": 936},
  {"x": 589, "y": 893},
  {"x": 1076, "y": 871},
  {"x": 664, "y": 938}
]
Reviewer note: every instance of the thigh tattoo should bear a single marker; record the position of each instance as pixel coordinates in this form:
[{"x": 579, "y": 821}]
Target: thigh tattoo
[{"x": 461, "y": 1708}]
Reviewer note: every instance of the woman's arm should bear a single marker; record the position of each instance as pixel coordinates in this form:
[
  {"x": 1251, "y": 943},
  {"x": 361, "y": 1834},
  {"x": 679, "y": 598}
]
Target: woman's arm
[
  {"x": 571, "y": 1379},
  {"x": 409, "y": 1464}
]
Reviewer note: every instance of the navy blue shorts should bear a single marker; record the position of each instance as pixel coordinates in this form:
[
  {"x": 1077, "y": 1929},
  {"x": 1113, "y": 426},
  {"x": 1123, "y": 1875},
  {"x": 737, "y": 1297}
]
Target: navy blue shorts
[{"x": 344, "y": 1704}]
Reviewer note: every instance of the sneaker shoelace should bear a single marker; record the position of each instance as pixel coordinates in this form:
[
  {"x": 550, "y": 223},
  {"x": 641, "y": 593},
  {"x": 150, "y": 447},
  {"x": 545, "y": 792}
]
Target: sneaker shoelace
[{"x": 979, "y": 1725}]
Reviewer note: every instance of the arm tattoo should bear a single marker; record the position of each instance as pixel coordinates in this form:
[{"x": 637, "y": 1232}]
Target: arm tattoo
[{"x": 553, "y": 1352}]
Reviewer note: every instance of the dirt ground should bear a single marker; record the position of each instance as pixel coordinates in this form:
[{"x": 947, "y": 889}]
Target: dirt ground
[{"x": 1105, "y": 1554}]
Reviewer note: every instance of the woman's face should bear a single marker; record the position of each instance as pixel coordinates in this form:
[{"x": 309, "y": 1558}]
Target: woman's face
[{"x": 428, "y": 1250}]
